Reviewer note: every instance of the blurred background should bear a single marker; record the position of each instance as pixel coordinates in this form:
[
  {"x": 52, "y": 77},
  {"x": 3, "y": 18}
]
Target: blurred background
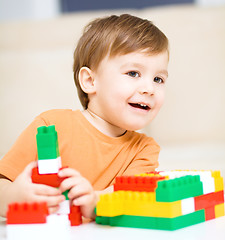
[
  {"x": 41, "y": 9},
  {"x": 37, "y": 39}
]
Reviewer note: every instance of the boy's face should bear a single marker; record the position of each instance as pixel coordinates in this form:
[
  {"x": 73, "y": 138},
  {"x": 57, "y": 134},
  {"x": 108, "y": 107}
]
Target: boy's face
[{"x": 130, "y": 89}]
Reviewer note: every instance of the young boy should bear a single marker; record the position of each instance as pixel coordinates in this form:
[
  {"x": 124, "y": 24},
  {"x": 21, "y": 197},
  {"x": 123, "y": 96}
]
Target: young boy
[{"x": 120, "y": 69}]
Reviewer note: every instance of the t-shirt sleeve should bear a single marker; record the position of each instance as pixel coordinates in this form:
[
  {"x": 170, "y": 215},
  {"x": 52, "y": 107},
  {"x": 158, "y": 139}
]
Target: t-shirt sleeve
[
  {"x": 146, "y": 159},
  {"x": 22, "y": 152}
]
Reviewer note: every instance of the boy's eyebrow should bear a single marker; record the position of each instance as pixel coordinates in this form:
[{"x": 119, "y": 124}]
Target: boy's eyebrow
[
  {"x": 133, "y": 64},
  {"x": 164, "y": 72}
]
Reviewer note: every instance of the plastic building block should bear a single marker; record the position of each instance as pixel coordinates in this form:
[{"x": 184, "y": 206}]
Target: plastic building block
[
  {"x": 64, "y": 207},
  {"x": 66, "y": 194},
  {"x": 136, "y": 203},
  {"x": 46, "y": 166},
  {"x": 179, "y": 188},
  {"x": 27, "y": 213},
  {"x": 219, "y": 185},
  {"x": 209, "y": 213},
  {"x": 187, "y": 205},
  {"x": 154, "y": 223},
  {"x": 111, "y": 204},
  {"x": 75, "y": 216},
  {"x": 57, "y": 227},
  {"x": 137, "y": 183},
  {"x": 208, "y": 200},
  {"x": 103, "y": 220},
  {"x": 52, "y": 179},
  {"x": 219, "y": 210},
  {"x": 208, "y": 182},
  {"x": 47, "y": 142}
]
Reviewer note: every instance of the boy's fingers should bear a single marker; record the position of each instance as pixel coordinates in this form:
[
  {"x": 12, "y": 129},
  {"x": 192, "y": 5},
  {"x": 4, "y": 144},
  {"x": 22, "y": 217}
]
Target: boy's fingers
[
  {"x": 68, "y": 172},
  {"x": 83, "y": 200},
  {"x": 41, "y": 189},
  {"x": 79, "y": 190},
  {"x": 69, "y": 183},
  {"x": 52, "y": 201}
]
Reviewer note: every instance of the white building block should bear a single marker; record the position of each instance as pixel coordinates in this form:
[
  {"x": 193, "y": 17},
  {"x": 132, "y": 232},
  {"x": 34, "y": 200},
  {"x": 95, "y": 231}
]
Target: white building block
[
  {"x": 64, "y": 207},
  {"x": 57, "y": 228},
  {"x": 187, "y": 205},
  {"x": 46, "y": 166}
]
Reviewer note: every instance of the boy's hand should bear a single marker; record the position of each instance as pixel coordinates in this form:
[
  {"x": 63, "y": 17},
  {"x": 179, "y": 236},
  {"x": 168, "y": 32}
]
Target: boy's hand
[
  {"x": 81, "y": 192},
  {"x": 23, "y": 190}
]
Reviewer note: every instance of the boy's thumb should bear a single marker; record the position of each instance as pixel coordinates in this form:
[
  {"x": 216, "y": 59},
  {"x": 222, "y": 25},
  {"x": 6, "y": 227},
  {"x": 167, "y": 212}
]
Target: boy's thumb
[{"x": 28, "y": 169}]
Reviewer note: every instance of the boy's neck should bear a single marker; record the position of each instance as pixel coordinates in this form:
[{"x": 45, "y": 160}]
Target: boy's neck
[{"x": 102, "y": 125}]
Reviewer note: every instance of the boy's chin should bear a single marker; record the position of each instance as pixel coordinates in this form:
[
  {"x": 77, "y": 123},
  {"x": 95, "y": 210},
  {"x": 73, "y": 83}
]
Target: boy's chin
[{"x": 137, "y": 127}]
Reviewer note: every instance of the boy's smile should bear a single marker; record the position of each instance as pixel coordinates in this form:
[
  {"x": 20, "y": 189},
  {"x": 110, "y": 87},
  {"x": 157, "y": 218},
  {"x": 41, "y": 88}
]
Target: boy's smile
[{"x": 129, "y": 90}]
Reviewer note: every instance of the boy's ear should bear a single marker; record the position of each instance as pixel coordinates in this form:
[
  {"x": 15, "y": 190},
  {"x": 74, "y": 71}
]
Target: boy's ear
[{"x": 86, "y": 80}]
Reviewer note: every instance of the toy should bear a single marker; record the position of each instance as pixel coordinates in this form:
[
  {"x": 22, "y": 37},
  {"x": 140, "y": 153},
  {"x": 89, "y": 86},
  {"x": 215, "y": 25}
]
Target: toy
[
  {"x": 36, "y": 215},
  {"x": 179, "y": 199}
]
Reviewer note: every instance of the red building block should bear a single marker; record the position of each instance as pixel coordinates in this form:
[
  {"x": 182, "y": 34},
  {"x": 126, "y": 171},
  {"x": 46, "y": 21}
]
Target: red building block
[
  {"x": 52, "y": 179},
  {"x": 208, "y": 200},
  {"x": 209, "y": 213},
  {"x": 137, "y": 183},
  {"x": 75, "y": 216},
  {"x": 154, "y": 172},
  {"x": 27, "y": 213}
]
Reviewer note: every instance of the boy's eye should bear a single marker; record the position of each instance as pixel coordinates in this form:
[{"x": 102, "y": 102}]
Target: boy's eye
[
  {"x": 133, "y": 74},
  {"x": 158, "y": 80}
]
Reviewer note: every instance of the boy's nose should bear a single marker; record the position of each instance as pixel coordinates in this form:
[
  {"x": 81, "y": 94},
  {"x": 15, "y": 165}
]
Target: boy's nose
[{"x": 146, "y": 87}]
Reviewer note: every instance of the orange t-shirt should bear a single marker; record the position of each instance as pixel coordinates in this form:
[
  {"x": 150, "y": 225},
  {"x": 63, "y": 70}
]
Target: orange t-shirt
[{"x": 97, "y": 157}]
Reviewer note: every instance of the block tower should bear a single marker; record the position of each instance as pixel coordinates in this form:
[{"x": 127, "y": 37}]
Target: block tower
[
  {"x": 163, "y": 200},
  {"x": 49, "y": 163}
]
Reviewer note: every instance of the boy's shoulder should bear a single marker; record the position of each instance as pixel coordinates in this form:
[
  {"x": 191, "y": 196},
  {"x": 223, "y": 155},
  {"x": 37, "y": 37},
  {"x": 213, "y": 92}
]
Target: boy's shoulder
[
  {"x": 56, "y": 112},
  {"x": 144, "y": 140},
  {"x": 58, "y": 116}
]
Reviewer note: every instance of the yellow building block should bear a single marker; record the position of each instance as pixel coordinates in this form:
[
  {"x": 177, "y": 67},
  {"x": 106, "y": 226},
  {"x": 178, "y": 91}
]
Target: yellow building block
[
  {"x": 138, "y": 204},
  {"x": 110, "y": 205},
  {"x": 148, "y": 175},
  {"x": 219, "y": 210},
  {"x": 219, "y": 185}
]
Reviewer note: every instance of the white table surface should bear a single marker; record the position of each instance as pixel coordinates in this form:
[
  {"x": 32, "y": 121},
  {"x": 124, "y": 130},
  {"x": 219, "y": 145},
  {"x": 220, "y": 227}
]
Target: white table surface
[{"x": 210, "y": 230}]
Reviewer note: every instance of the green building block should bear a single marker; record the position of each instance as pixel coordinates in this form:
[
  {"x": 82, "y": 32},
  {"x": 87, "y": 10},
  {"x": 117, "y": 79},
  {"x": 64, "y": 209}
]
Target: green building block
[
  {"x": 181, "y": 221},
  {"x": 47, "y": 143},
  {"x": 134, "y": 221},
  {"x": 179, "y": 188},
  {"x": 153, "y": 222},
  {"x": 102, "y": 220},
  {"x": 66, "y": 194}
]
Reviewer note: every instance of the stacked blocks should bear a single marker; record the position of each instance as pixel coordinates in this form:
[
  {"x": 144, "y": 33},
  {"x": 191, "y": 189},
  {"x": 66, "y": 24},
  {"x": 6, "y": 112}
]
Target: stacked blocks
[
  {"x": 49, "y": 163},
  {"x": 163, "y": 200},
  {"x": 49, "y": 160}
]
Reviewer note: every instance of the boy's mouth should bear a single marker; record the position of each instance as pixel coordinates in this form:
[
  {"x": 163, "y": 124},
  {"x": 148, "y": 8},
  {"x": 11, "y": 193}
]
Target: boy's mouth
[{"x": 140, "y": 105}]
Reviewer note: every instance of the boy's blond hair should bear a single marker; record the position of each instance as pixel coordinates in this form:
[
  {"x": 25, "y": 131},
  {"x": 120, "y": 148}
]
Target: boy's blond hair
[{"x": 114, "y": 35}]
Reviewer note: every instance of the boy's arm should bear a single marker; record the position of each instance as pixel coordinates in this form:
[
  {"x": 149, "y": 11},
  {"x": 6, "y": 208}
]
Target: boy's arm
[
  {"x": 4, "y": 200},
  {"x": 146, "y": 160}
]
